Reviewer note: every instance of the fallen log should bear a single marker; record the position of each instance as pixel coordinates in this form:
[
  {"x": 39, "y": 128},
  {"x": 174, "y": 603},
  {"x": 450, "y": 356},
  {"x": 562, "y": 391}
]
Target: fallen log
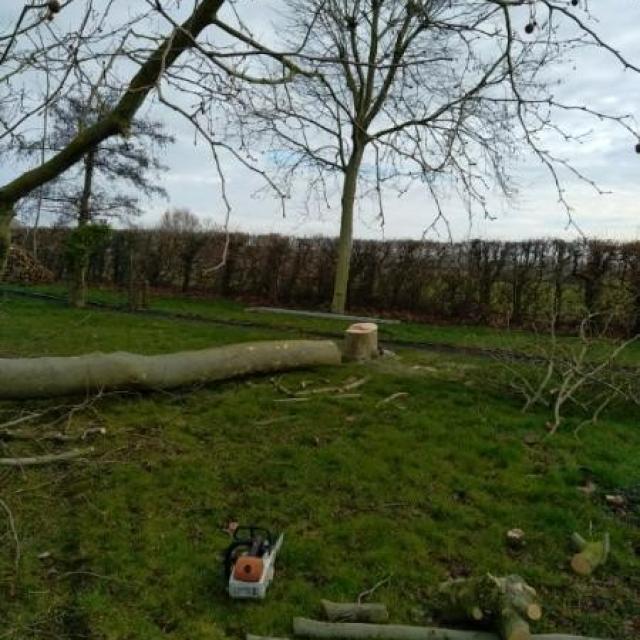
[
  {"x": 360, "y": 631},
  {"x": 363, "y": 631},
  {"x": 355, "y": 611},
  {"x": 58, "y": 376}
]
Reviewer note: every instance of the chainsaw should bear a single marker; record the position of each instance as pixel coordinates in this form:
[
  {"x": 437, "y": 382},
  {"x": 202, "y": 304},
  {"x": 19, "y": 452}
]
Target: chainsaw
[{"x": 249, "y": 562}]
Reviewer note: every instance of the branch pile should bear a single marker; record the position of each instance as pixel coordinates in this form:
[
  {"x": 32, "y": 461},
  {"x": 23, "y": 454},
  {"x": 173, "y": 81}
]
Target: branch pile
[
  {"x": 582, "y": 375},
  {"x": 503, "y": 605}
]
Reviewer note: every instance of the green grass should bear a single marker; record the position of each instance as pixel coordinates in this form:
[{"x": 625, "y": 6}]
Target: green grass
[
  {"x": 422, "y": 488},
  {"x": 464, "y": 336}
]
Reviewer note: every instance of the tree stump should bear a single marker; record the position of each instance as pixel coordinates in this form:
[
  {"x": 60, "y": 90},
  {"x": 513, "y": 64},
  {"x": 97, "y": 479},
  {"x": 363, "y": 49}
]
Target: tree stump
[{"x": 361, "y": 341}]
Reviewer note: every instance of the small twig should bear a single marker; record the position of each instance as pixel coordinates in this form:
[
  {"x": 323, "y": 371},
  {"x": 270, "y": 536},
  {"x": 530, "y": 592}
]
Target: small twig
[
  {"x": 392, "y": 397},
  {"x": 280, "y": 387},
  {"x": 270, "y": 421},
  {"x": 318, "y": 391},
  {"x": 52, "y": 437},
  {"x": 350, "y": 386},
  {"x": 17, "y": 554},
  {"x": 377, "y": 585},
  {"x": 17, "y": 421},
  {"x": 46, "y": 459},
  {"x": 355, "y": 384}
]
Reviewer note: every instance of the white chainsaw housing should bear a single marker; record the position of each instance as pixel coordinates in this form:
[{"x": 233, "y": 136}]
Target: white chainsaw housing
[{"x": 257, "y": 590}]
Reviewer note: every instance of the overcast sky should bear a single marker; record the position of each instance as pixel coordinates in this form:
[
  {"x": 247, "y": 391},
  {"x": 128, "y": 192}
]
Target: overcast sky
[{"x": 607, "y": 155}]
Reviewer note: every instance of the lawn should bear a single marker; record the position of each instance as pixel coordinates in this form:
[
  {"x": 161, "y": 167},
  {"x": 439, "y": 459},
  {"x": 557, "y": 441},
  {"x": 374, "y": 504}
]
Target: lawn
[
  {"x": 409, "y": 333},
  {"x": 128, "y": 543}
]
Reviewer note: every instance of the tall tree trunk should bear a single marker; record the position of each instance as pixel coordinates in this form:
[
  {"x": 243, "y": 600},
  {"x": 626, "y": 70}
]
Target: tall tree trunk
[
  {"x": 78, "y": 284},
  {"x": 6, "y": 215},
  {"x": 345, "y": 243}
]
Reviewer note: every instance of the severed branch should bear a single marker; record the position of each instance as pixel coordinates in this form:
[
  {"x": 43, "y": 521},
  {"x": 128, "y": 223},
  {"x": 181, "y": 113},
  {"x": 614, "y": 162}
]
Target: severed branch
[
  {"x": 590, "y": 554},
  {"x": 575, "y": 374},
  {"x": 52, "y": 437}
]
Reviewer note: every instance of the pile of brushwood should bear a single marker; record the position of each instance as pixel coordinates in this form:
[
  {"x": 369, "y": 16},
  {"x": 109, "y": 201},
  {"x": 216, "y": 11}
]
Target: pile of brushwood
[{"x": 496, "y": 608}]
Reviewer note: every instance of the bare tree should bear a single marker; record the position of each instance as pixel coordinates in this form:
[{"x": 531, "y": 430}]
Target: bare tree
[
  {"x": 54, "y": 44},
  {"x": 186, "y": 236},
  {"x": 439, "y": 93},
  {"x": 112, "y": 177},
  {"x": 584, "y": 374},
  {"x": 105, "y": 185},
  {"x": 38, "y": 54}
]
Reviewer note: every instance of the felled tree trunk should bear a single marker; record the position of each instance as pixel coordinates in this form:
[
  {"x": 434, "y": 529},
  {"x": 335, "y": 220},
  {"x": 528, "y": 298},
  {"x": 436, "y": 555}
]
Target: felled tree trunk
[
  {"x": 361, "y": 341},
  {"x": 47, "y": 377},
  {"x": 355, "y": 611},
  {"x": 78, "y": 284},
  {"x": 590, "y": 554},
  {"x": 361, "y": 631}
]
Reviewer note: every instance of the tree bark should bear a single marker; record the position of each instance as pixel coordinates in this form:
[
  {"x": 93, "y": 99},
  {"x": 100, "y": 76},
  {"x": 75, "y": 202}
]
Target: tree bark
[
  {"x": 78, "y": 283},
  {"x": 345, "y": 242},
  {"x": 59, "y": 376},
  {"x": 361, "y": 341},
  {"x": 6, "y": 215},
  {"x": 360, "y": 631}
]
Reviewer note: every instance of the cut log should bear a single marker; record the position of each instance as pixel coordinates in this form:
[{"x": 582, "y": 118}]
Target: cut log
[
  {"x": 590, "y": 554},
  {"x": 466, "y": 599},
  {"x": 360, "y": 631},
  {"x": 47, "y": 377},
  {"x": 355, "y": 612},
  {"x": 361, "y": 341},
  {"x": 509, "y": 603},
  {"x": 518, "y": 596},
  {"x": 511, "y": 626}
]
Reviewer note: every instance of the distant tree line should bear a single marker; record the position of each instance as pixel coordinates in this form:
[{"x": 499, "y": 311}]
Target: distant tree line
[{"x": 494, "y": 282}]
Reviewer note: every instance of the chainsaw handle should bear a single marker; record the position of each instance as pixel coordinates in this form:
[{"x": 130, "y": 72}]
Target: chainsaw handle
[{"x": 247, "y": 533}]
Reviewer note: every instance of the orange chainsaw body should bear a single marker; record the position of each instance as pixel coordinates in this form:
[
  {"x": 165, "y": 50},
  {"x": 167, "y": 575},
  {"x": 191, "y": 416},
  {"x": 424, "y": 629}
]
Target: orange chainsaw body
[{"x": 248, "y": 569}]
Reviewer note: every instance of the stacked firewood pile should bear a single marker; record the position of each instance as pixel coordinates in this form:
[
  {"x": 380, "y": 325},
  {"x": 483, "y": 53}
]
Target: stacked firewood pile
[{"x": 23, "y": 268}]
